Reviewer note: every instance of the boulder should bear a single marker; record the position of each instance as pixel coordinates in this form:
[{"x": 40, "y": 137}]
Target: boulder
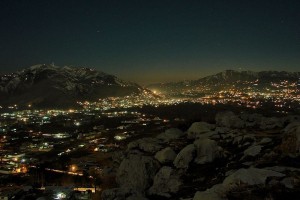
[
  {"x": 207, "y": 151},
  {"x": 251, "y": 176},
  {"x": 214, "y": 193},
  {"x": 242, "y": 139},
  {"x": 251, "y": 120},
  {"x": 150, "y": 145},
  {"x": 136, "y": 197},
  {"x": 165, "y": 155},
  {"x": 184, "y": 157},
  {"x": 211, "y": 135},
  {"x": 288, "y": 182},
  {"x": 121, "y": 194},
  {"x": 198, "y": 128},
  {"x": 114, "y": 194},
  {"x": 207, "y": 195},
  {"x": 265, "y": 140},
  {"x": 118, "y": 156},
  {"x": 292, "y": 128},
  {"x": 253, "y": 151},
  {"x": 291, "y": 118},
  {"x": 229, "y": 119},
  {"x": 222, "y": 130},
  {"x": 166, "y": 182},
  {"x": 137, "y": 172},
  {"x": 242, "y": 177},
  {"x": 283, "y": 169},
  {"x": 291, "y": 139},
  {"x": 170, "y": 134},
  {"x": 271, "y": 123}
]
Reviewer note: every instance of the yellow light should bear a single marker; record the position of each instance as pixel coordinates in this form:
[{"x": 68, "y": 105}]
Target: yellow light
[{"x": 73, "y": 168}]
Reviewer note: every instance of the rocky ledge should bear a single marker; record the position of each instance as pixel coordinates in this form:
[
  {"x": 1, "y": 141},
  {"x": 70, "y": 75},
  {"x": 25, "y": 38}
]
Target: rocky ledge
[{"x": 246, "y": 156}]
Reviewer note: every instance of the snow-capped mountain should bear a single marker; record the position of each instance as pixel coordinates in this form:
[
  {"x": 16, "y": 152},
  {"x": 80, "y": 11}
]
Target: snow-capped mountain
[
  {"x": 229, "y": 79},
  {"x": 53, "y": 86}
]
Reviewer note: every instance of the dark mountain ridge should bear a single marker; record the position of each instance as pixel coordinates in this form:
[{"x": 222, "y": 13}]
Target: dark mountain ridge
[
  {"x": 229, "y": 78},
  {"x": 53, "y": 86}
]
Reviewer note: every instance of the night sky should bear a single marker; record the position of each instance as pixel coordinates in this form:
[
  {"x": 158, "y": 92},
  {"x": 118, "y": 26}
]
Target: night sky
[{"x": 151, "y": 40}]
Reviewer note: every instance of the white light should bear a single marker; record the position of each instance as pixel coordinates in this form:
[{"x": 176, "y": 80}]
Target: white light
[{"x": 61, "y": 195}]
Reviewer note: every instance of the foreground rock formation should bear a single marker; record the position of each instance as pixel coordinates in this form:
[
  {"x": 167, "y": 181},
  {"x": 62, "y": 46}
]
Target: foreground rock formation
[{"x": 245, "y": 156}]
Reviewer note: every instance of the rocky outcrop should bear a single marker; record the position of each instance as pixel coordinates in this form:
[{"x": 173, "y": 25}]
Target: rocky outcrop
[{"x": 247, "y": 152}]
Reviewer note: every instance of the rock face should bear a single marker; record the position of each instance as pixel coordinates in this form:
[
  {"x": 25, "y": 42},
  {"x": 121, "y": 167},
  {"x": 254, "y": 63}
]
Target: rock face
[
  {"x": 185, "y": 156},
  {"x": 137, "y": 172},
  {"x": 207, "y": 151},
  {"x": 229, "y": 119},
  {"x": 165, "y": 155},
  {"x": 166, "y": 182},
  {"x": 198, "y": 128}
]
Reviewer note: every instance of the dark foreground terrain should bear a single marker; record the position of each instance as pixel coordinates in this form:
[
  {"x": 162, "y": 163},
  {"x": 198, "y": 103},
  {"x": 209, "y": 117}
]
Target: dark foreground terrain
[{"x": 245, "y": 156}]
